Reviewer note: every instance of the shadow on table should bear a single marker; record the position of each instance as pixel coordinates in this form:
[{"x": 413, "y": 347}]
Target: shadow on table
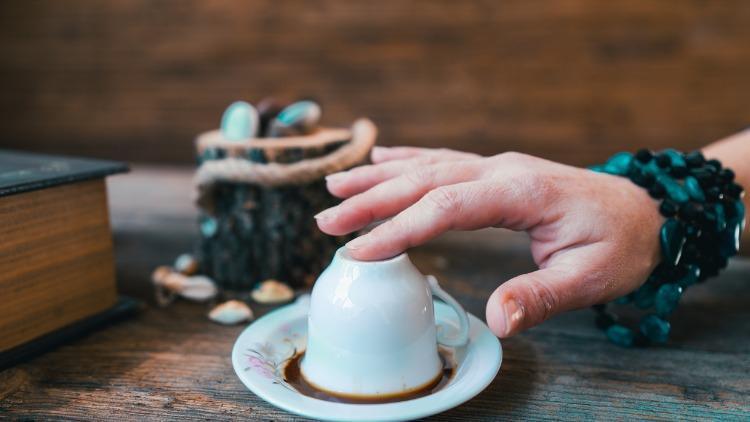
[{"x": 510, "y": 390}]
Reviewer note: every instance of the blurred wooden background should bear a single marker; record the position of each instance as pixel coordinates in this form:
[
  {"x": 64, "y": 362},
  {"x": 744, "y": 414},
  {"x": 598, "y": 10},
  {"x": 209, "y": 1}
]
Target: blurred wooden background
[{"x": 568, "y": 80}]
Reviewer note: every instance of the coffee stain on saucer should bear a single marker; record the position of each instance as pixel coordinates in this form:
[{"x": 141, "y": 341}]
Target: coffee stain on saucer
[{"x": 293, "y": 377}]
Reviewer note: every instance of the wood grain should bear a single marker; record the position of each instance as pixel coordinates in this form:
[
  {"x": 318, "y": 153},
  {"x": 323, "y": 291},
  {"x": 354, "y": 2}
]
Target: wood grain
[
  {"x": 56, "y": 259},
  {"x": 568, "y": 80},
  {"x": 173, "y": 364}
]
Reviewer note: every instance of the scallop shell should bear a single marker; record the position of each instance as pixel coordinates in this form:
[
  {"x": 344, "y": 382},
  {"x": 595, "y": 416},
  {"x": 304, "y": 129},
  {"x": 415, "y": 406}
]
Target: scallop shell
[
  {"x": 160, "y": 273},
  {"x": 231, "y": 312},
  {"x": 198, "y": 288},
  {"x": 272, "y": 292}
]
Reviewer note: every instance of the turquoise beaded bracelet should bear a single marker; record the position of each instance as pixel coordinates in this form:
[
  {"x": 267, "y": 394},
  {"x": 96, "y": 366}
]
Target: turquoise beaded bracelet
[{"x": 705, "y": 217}]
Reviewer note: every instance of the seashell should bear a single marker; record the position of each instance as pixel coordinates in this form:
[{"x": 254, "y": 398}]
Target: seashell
[
  {"x": 163, "y": 296},
  {"x": 271, "y": 292},
  {"x": 160, "y": 274},
  {"x": 198, "y": 288},
  {"x": 186, "y": 264},
  {"x": 231, "y": 312},
  {"x": 240, "y": 121},
  {"x": 298, "y": 118}
]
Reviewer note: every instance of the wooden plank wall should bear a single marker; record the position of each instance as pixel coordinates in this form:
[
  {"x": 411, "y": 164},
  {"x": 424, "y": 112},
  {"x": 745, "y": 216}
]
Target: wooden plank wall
[{"x": 568, "y": 80}]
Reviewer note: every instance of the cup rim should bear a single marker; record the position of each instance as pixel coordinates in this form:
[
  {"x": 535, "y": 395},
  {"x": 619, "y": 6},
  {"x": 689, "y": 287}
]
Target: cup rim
[{"x": 343, "y": 254}]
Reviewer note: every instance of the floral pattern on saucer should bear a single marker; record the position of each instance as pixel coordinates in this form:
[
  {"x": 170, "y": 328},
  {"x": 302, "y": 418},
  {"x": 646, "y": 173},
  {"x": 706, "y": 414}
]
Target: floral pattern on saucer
[{"x": 268, "y": 359}]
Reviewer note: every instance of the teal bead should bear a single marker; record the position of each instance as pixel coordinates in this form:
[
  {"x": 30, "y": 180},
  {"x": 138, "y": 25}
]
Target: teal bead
[
  {"x": 623, "y": 300},
  {"x": 655, "y": 328},
  {"x": 210, "y": 154},
  {"x": 676, "y": 157},
  {"x": 654, "y": 168},
  {"x": 208, "y": 226},
  {"x": 694, "y": 189},
  {"x": 672, "y": 239},
  {"x": 619, "y": 163},
  {"x": 620, "y": 335},
  {"x": 645, "y": 295},
  {"x": 729, "y": 244},
  {"x": 667, "y": 298},
  {"x": 738, "y": 214},
  {"x": 675, "y": 191},
  {"x": 721, "y": 219},
  {"x": 692, "y": 276},
  {"x": 240, "y": 121},
  {"x": 599, "y": 168}
]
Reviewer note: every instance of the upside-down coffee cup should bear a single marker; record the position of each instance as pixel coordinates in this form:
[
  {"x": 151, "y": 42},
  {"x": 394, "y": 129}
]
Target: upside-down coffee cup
[{"x": 371, "y": 328}]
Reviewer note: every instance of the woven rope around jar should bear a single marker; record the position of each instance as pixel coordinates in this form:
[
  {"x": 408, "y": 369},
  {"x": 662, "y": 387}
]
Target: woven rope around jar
[{"x": 234, "y": 168}]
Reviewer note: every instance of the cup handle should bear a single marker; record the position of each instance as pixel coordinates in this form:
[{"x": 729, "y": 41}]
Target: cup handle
[{"x": 462, "y": 337}]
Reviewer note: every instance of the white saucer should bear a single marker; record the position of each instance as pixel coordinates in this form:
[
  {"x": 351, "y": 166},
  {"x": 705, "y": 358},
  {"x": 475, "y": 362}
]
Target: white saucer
[{"x": 261, "y": 351}]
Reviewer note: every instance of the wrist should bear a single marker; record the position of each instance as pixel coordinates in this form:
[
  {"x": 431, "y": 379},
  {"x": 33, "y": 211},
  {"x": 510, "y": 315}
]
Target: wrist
[{"x": 703, "y": 217}]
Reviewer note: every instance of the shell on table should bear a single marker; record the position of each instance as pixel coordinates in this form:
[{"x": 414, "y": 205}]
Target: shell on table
[
  {"x": 231, "y": 312},
  {"x": 198, "y": 288},
  {"x": 272, "y": 292}
]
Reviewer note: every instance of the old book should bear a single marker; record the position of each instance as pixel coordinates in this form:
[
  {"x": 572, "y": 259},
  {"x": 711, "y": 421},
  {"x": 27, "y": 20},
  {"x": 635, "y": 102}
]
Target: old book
[{"x": 56, "y": 254}]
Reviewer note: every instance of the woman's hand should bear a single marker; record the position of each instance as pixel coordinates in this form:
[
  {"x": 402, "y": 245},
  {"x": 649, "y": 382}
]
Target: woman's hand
[{"x": 594, "y": 236}]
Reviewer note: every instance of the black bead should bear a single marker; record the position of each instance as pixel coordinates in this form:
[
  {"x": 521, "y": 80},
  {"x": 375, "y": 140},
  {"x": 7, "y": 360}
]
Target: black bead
[
  {"x": 692, "y": 232},
  {"x": 643, "y": 155},
  {"x": 694, "y": 159},
  {"x": 668, "y": 208},
  {"x": 704, "y": 177},
  {"x": 657, "y": 190},
  {"x": 688, "y": 211},
  {"x": 641, "y": 340},
  {"x": 642, "y": 179},
  {"x": 690, "y": 253},
  {"x": 716, "y": 164},
  {"x": 678, "y": 171},
  {"x": 662, "y": 271},
  {"x": 733, "y": 190},
  {"x": 726, "y": 175},
  {"x": 713, "y": 193},
  {"x": 604, "y": 320},
  {"x": 663, "y": 160}
]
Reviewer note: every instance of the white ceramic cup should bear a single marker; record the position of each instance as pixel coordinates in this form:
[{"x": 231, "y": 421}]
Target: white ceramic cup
[{"x": 371, "y": 328}]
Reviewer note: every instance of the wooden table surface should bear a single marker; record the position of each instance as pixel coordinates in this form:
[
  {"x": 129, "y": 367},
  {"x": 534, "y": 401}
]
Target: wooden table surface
[{"x": 173, "y": 364}]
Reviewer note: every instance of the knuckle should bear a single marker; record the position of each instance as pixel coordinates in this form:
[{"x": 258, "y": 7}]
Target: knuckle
[
  {"x": 536, "y": 187},
  {"x": 419, "y": 176},
  {"x": 512, "y": 156},
  {"x": 545, "y": 299},
  {"x": 444, "y": 199}
]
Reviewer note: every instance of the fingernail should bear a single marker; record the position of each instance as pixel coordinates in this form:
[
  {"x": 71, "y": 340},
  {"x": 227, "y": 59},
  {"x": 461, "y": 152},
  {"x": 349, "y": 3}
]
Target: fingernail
[
  {"x": 336, "y": 177},
  {"x": 328, "y": 214},
  {"x": 513, "y": 315},
  {"x": 357, "y": 243}
]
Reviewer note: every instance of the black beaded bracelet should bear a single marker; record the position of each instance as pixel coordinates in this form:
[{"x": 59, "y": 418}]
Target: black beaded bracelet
[{"x": 705, "y": 217}]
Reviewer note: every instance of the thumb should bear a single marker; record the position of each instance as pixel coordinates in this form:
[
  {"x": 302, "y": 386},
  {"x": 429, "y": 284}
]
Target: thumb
[{"x": 530, "y": 299}]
